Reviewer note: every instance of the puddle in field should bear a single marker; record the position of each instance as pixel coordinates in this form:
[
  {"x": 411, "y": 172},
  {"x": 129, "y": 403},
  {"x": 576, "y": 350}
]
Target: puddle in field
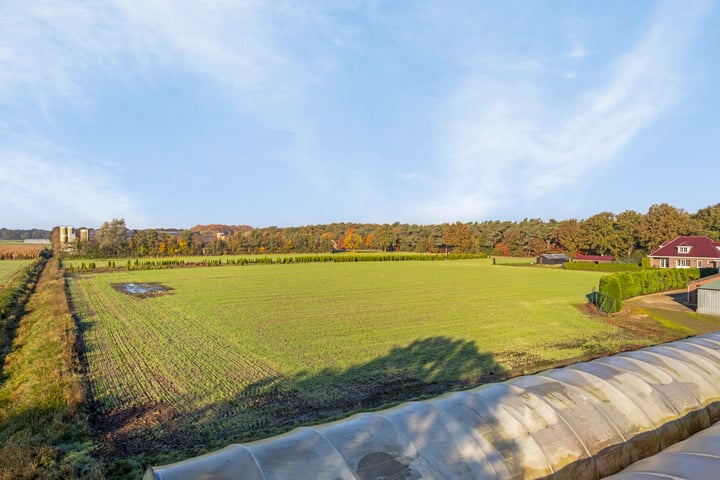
[{"x": 141, "y": 289}]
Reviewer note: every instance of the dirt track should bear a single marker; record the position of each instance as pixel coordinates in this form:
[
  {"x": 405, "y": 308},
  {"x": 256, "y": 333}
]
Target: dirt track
[{"x": 672, "y": 300}]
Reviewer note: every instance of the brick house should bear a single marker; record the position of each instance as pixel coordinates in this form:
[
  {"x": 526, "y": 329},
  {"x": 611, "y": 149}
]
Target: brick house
[{"x": 687, "y": 252}]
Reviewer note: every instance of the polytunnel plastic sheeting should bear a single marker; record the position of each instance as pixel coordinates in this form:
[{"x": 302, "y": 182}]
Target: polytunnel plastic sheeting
[
  {"x": 661, "y": 413},
  {"x": 221, "y": 465},
  {"x": 700, "y": 384},
  {"x": 680, "y": 393},
  {"x": 584, "y": 421},
  {"x": 621, "y": 432},
  {"x": 697, "y": 458}
]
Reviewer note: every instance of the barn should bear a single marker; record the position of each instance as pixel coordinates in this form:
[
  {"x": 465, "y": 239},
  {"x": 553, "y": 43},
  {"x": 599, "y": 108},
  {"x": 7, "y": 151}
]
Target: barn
[
  {"x": 553, "y": 259},
  {"x": 708, "y": 299}
]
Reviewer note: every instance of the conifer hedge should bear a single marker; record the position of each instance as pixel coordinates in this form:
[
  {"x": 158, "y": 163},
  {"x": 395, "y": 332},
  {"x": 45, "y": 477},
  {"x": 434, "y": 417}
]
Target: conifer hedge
[
  {"x": 601, "y": 267},
  {"x": 620, "y": 286}
]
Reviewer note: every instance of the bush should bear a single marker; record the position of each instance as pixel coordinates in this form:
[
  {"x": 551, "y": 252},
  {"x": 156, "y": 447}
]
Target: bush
[
  {"x": 610, "y": 288},
  {"x": 706, "y": 272},
  {"x": 620, "y": 286}
]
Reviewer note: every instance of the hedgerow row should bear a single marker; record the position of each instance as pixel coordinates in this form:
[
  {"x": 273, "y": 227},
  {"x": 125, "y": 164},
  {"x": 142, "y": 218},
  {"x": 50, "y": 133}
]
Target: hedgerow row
[
  {"x": 143, "y": 264},
  {"x": 620, "y": 286}
]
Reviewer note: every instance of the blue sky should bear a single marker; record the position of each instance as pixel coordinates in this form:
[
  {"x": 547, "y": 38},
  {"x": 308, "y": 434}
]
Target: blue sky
[{"x": 174, "y": 113}]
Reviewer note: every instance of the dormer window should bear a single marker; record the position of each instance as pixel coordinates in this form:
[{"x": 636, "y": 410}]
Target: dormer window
[{"x": 683, "y": 249}]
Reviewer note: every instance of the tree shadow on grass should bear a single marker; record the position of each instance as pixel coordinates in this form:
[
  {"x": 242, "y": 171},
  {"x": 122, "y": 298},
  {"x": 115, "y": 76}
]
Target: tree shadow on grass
[{"x": 425, "y": 368}]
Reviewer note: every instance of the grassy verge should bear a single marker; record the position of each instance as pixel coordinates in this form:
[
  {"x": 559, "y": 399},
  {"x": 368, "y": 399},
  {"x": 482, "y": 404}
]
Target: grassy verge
[
  {"x": 14, "y": 293},
  {"x": 44, "y": 431}
]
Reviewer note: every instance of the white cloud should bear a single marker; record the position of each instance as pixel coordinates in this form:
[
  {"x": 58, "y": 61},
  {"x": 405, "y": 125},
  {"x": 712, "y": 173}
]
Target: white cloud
[
  {"x": 512, "y": 139},
  {"x": 49, "y": 51},
  {"x": 48, "y": 186},
  {"x": 66, "y": 55}
]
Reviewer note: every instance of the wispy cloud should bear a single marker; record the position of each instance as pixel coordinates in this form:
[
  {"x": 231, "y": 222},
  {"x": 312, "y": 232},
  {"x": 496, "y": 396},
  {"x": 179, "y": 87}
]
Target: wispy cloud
[
  {"x": 510, "y": 138},
  {"x": 55, "y": 56},
  {"x": 48, "y": 186},
  {"x": 50, "y": 51}
]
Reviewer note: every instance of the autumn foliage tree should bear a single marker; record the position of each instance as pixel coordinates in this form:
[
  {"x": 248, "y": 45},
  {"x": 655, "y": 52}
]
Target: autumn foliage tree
[
  {"x": 353, "y": 240},
  {"x": 457, "y": 237},
  {"x": 627, "y": 235}
]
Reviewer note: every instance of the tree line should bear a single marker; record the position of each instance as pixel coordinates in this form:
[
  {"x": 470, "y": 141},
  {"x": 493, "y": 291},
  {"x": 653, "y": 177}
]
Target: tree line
[
  {"x": 23, "y": 234},
  {"x": 627, "y": 236}
]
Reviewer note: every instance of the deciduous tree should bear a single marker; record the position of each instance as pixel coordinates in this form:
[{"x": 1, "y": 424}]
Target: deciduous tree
[
  {"x": 112, "y": 237},
  {"x": 662, "y": 223},
  {"x": 457, "y": 237},
  {"x": 708, "y": 219},
  {"x": 385, "y": 238},
  {"x": 353, "y": 241}
]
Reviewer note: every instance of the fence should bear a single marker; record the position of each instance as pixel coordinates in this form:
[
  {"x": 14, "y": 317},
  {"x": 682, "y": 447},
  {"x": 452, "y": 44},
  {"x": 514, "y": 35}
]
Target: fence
[{"x": 604, "y": 303}]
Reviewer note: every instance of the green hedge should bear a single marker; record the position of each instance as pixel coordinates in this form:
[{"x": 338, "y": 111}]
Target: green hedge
[
  {"x": 601, "y": 267},
  {"x": 706, "y": 272},
  {"x": 151, "y": 264},
  {"x": 620, "y": 286}
]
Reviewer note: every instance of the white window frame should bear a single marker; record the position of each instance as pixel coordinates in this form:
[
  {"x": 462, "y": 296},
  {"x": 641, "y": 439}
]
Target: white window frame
[
  {"x": 699, "y": 264},
  {"x": 683, "y": 263},
  {"x": 684, "y": 249},
  {"x": 664, "y": 263}
]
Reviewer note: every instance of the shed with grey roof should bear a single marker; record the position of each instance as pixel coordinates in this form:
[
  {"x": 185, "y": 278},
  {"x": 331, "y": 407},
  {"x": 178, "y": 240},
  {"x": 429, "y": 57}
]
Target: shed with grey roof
[
  {"x": 708, "y": 299},
  {"x": 553, "y": 259}
]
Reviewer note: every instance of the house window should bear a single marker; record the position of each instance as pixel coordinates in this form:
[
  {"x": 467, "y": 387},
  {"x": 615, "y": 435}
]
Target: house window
[
  {"x": 699, "y": 264},
  {"x": 683, "y": 263},
  {"x": 683, "y": 249},
  {"x": 664, "y": 263}
]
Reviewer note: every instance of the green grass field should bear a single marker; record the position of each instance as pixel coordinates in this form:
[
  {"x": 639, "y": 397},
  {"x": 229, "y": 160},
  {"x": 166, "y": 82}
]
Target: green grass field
[
  {"x": 8, "y": 268},
  {"x": 241, "y": 352}
]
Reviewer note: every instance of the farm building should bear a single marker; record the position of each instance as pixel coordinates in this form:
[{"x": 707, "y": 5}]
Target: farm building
[
  {"x": 708, "y": 299},
  {"x": 693, "y": 285},
  {"x": 553, "y": 259},
  {"x": 687, "y": 252},
  {"x": 595, "y": 258}
]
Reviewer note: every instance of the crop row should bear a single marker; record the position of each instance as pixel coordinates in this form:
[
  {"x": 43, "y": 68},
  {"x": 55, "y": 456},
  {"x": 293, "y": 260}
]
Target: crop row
[
  {"x": 242, "y": 352},
  {"x": 144, "y": 351},
  {"x": 8, "y": 268},
  {"x": 20, "y": 252}
]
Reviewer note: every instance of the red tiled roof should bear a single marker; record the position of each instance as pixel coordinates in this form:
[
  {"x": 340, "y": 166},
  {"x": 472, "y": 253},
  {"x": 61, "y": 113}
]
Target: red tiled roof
[{"x": 703, "y": 247}]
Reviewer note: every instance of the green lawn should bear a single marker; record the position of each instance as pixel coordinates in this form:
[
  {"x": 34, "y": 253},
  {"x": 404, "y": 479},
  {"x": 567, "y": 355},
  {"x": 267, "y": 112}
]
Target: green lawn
[{"x": 241, "y": 352}]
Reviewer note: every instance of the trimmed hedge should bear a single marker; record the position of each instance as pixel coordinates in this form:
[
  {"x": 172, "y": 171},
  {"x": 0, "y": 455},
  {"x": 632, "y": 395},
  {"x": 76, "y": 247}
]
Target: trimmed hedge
[
  {"x": 611, "y": 287},
  {"x": 141, "y": 264},
  {"x": 620, "y": 286},
  {"x": 706, "y": 272},
  {"x": 602, "y": 267}
]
